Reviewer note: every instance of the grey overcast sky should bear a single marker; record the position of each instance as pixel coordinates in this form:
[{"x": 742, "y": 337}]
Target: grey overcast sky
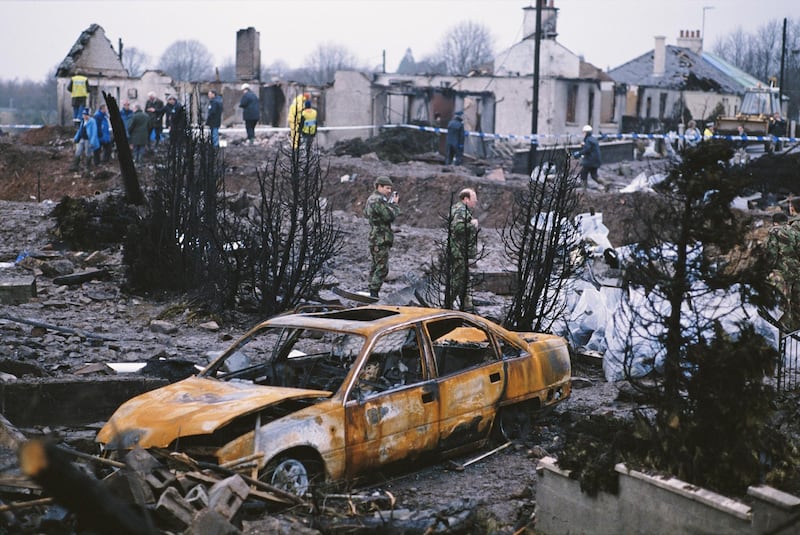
[{"x": 35, "y": 35}]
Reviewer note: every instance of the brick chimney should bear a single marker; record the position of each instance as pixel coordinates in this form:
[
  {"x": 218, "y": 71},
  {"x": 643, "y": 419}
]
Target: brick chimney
[
  {"x": 248, "y": 55},
  {"x": 549, "y": 16},
  {"x": 659, "y": 56},
  {"x": 692, "y": 40}
]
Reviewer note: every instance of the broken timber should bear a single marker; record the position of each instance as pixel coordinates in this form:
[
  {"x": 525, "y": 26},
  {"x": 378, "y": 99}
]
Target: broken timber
[
  {"x": 80, "y": 277},
  {"x": 50, "y": 326}
]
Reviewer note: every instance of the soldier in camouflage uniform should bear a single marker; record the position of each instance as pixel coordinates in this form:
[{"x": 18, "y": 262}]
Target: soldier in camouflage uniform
[
  {"x": 381, "y": 209},
  {"x": 463, "y": 244}
]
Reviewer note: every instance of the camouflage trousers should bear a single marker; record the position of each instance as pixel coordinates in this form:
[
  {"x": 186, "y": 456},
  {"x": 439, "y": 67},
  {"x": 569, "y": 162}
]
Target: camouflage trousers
[
  {"x": 380, "y": 266},
  {"x": 460, "y": 271}
]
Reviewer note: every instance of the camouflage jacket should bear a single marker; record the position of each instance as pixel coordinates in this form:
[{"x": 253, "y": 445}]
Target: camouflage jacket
[
  {"x": 463, "y": 235},
  {"x": 380, "y": 214}
]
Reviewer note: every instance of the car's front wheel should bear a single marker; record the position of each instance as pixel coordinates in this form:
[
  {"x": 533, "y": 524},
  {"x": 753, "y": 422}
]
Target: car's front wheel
[{"x": 295, "y": 475}]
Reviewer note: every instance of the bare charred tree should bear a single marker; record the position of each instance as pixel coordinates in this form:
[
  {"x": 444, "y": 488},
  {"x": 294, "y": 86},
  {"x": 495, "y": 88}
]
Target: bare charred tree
[
  {"x": 133, "y": 191},
  {"x": 540, "y": 237},
  {"x": 464, "y": 47},
  {"x": 290, "y": 234},
  {"x": 177, "y": 244}
]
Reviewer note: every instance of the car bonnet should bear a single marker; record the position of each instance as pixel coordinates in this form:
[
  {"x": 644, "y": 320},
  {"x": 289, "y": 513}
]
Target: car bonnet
[{"x": 194, "y": 406}]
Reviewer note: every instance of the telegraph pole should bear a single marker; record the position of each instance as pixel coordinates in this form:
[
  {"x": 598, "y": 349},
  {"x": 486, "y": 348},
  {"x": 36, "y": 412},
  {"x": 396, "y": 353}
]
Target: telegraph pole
[
  {"x": 783, "y": 63},
  {"x": 535, "y": 102}
]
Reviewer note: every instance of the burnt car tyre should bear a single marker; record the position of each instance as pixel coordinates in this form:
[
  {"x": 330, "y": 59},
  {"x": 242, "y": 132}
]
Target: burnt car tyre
[
  {"x": 296, "y": 476},
  {"x": 512, "y": 423}
]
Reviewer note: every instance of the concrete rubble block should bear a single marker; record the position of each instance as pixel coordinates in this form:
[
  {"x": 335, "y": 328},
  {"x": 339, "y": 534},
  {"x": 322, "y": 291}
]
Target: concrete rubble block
[
  {"x": 56, "y": 268},
  {"x": 160, "y": 478},
  {"x": 184, "y": 483},
  {"x": 163, "y": 327},
  {"x": 17, "y": 290},
  {"x": 70, "y": 400},
  {"x": 99, "y": 368},
  {"x": 212, "y": 326},
  {"x": 174, "y": 510},
  {"x": 129, "y": 486},
  {"x": 227, "y": 496},
  {"x": 210, "y": 522},
  {"x": 197, "y": 496},
  {"x": 141, "y": 461}
]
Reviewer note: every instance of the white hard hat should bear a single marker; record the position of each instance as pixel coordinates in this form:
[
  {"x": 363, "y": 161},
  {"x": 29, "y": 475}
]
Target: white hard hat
[
  {"x": 587, "y": 128},
  {"x": 245, "y": 86}
]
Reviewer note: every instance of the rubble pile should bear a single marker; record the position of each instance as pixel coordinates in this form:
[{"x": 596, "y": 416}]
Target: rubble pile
[{"x": 175, "y": 494}]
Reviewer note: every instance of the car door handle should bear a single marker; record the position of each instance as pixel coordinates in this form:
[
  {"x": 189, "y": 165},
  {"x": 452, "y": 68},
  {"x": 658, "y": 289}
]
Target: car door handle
[
  {"x": 427, "y": 397},
  {"x": 494, "y": 377}
]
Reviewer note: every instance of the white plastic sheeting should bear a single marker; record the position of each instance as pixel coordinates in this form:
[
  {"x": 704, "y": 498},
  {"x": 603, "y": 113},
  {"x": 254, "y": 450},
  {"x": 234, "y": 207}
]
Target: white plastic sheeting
[{"x": 602, "y": 316}]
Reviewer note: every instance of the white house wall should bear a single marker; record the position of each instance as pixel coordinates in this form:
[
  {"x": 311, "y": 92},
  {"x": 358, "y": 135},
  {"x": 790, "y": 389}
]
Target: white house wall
[
  {"x": 700, "y": 104},
  {"x": 348, "y": 102},
  {"x": 355, "y": 100},
  {"x": 554, "y": 60}
]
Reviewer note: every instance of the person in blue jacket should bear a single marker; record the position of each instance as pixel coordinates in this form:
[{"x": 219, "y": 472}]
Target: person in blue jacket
[
  {"x": 590, "y": 157},
  {"x": 103, "y": 135},
  {"x": 86, "y": 141},
  {"x": 251, "y": 112},
  {"x": 455, "y": 139},
  {"x": 214, "y": 115},
  {"x": 126, "y": 113}
]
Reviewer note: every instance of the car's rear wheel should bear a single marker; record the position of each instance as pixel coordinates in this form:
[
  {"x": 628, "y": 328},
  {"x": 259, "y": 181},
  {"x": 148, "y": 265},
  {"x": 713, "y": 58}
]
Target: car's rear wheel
[
  {"x": 512, "y": 423},
  {"x": 293, "y": 474}
]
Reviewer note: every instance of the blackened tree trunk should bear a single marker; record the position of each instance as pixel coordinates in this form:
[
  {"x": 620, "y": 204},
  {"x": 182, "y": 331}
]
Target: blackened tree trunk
[{"x": 133, "y": 191}]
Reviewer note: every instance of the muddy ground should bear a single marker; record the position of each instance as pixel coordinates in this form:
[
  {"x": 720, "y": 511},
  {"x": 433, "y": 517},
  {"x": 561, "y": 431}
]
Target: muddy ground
[{"x": 34, "y": 177}]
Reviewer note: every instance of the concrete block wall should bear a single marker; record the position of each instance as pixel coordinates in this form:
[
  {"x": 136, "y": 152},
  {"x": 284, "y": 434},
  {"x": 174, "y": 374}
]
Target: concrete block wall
[{"x": 655, "y": 505}]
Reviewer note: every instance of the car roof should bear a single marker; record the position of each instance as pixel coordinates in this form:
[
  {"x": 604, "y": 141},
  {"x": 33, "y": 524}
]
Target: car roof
[{"x": 362, "y": 320}]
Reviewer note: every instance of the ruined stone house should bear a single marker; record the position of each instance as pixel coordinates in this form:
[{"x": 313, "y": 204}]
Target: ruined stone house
[
  {"x": 93, "y": 56},
  {"x": 670, "y": 84}
]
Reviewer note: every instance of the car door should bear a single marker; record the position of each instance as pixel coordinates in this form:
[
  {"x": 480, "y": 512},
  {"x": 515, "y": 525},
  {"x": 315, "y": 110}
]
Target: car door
[
  {"x": 392, "y": 407},
  {"x": 471, "y": 380}
]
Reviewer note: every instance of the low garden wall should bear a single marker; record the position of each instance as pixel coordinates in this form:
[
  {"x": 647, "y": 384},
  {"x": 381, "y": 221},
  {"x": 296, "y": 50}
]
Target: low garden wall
[{"x": 657, "y": 505}]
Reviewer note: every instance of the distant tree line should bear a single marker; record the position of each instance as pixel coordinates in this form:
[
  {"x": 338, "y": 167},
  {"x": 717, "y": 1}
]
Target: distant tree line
[
  {"x": 759, "y": 54},
  {"x": 32, "y": 102}
]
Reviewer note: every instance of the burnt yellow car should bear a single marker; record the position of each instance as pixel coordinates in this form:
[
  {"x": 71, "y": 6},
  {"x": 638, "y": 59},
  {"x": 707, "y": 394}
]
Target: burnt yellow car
[{"x": 326, "y": 396}]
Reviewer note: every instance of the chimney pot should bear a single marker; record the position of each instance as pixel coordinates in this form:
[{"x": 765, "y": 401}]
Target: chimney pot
[{"x": 659, "y": 56}]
